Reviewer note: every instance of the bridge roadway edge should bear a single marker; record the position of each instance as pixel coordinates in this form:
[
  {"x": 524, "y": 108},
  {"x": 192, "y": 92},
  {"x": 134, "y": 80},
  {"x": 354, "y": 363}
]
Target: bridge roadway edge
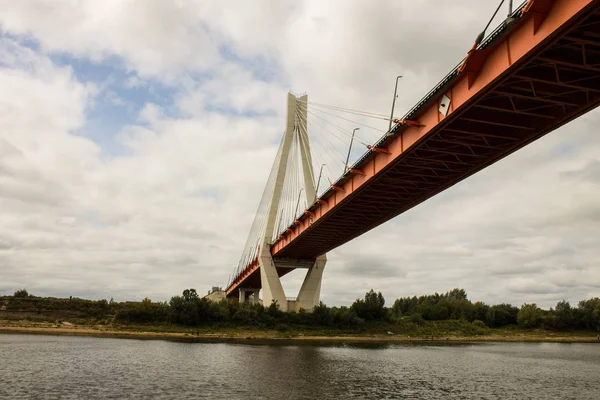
[
  {"x": 399, "y": 131},
  {"x": 537, "y": 50}
]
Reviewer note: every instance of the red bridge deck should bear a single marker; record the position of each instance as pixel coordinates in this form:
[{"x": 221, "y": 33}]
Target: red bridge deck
[
  {"x": 528, "y": 78},
  {"x": 524, "y": 83}
]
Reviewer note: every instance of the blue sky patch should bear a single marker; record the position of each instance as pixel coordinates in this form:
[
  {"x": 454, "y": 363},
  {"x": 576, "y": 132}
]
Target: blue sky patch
[
  {"x": 262, "y": 68},
  {"x": 122, "y": 94}
]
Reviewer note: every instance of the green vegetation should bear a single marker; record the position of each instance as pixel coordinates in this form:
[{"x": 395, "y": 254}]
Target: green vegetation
[
  {"x": 21, "y": 293},
  {"x": 454, "y": 305},
  {"x": 50, "y": 308},
  {"x": 451, "y": 313}
]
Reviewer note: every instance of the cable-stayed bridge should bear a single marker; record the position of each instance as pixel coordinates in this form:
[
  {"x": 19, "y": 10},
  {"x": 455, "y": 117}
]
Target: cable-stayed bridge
[{"x": 537, "y": 71}]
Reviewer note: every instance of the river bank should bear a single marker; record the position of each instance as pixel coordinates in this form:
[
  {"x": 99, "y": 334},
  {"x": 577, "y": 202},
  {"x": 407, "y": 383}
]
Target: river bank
[{"x": 255, "y": 336}]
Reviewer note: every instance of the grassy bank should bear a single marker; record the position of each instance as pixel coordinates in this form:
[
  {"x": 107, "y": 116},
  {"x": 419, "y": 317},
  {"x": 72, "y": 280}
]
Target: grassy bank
[
  {"x": 447, "y": 331},
  {"x": 439, "y": 317}
]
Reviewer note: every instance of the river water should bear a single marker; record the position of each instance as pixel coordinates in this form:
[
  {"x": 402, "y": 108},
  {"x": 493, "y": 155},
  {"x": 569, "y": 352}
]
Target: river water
[{"x": 53, "y": 367}]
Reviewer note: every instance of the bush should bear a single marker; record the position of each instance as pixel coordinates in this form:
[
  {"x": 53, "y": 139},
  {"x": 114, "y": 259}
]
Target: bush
[
  {"x": 417, "y": 318},
  {"x": 479, "y": 323},
  {"x": 144, "y": 312},
  {"x": 365, "y": 315},
  {"x": 282, "y": 327},
  {"x": 72, "y": 308},
  {"x": 439, "y": 312},
  {"x": 321, "y": 315}
]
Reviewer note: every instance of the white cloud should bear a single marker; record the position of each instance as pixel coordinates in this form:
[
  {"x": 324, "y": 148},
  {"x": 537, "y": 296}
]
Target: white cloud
[{"x": 152, "y": 37}]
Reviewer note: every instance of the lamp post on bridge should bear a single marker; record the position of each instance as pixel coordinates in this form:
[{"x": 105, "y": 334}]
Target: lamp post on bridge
[
  {"x": 394, "y": 102},
  {"x": 350, "y": 149},
  {"x": 509, "y": 17},
  {"x": 319, "y": 182},
  {"x": 298, "y": 203}
]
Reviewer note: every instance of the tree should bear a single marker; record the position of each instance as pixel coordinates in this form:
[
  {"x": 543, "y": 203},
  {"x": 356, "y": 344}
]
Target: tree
[
  {"x": 372, "y": 307},
  {"x": 456, "y": 294},
  {"x": 589, "y": 311},
  {"x": 144, "y": 312},
  {"x": 404, "y": 306},
  {"x": 563, "y": 316},
  {"x": 21, "y": 293},
  {"x": 439, "y": 312},
  {"x": 186, "y": 309},
  {"x": 480, "y": 310},
  {"x": 190, "y": 295},
  {"x": 273, "y": 309},
  {"x": 529, "y": 316},
  {"x": 189, "y": 314},
  {"x": 321, "y": 315},
  {"x": 501, "y": 315}
]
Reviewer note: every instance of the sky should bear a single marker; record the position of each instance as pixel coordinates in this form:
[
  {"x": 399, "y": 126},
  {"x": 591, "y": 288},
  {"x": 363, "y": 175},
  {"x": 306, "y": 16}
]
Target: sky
[{"x": 137, "y": 136}]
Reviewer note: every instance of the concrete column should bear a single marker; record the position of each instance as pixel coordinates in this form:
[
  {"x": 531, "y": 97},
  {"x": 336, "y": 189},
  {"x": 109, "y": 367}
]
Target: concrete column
[
  {"x": 310, "y": 292},
  {"x": 243, "y": 295},
  {"x": 305, "y": 154},
  {"x": 281, "y": 168},
  {"x": 271, "y": 284}
]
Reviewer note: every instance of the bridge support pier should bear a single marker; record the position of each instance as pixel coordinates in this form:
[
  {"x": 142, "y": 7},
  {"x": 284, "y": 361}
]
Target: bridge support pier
[
  {"x": 310, "y": 291},
  {"x": 249, "y": 294},
  {"x": 271, "y": 284}
]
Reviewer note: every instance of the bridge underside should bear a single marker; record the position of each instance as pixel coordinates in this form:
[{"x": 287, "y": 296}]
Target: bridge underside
[
  {"x": 250, "y": 278},
  {"x": 528, "y": 78},
  {"x": 547, "y": 89}
]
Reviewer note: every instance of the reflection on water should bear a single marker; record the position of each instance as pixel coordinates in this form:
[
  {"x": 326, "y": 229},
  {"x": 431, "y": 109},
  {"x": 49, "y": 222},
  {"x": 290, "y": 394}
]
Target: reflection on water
[{"x": 44, "y": 367}]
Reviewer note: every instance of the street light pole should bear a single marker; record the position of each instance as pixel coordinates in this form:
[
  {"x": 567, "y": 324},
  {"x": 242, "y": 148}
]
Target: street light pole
[
  {"x": 297, "y": 204},
  {"x": 350, "y": 149},
  {"x": 319, "y": 182},
  {"x": 394, "y": 103}
]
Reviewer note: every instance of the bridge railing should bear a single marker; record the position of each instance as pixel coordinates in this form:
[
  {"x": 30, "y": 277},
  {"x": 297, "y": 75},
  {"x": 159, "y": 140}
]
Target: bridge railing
[{"x": 488, "y": 40}]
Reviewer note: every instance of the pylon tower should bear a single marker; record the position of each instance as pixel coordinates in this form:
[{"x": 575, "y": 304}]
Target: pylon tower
[{"x": 310, "y": 291}]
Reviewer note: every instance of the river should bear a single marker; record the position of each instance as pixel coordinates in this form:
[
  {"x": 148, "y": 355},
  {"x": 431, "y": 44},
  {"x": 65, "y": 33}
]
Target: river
[{"x": 53, "y": 367}]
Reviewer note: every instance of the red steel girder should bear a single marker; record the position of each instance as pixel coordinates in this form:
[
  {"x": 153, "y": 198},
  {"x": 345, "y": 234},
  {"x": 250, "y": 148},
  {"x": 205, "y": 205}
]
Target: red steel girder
[
  {"x": 494, "y": 80},
  {"x": 514, "y": 130}
]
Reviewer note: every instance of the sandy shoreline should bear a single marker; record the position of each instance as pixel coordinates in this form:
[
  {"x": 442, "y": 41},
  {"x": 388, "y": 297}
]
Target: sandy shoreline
[{"x": 262, "y": 336}]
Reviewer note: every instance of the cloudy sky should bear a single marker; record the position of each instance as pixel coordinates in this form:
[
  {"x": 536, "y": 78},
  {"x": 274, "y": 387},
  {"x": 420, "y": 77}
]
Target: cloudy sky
[{"x": 136, "y": 138}]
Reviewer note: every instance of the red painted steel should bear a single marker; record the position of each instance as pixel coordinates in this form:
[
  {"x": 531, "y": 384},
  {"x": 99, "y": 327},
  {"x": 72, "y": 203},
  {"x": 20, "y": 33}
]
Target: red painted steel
[{"x": 538, "y": 74}]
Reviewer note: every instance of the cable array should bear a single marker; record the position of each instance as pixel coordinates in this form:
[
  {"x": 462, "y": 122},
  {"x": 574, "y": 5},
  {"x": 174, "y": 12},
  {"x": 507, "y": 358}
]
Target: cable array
[{"x": 329, "y": 130}]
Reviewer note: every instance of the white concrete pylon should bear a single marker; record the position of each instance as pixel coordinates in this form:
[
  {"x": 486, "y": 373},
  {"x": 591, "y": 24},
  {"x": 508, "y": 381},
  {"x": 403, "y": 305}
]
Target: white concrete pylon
[
  {"x": 281, "y": 169},
  {"x": 270, "y": 281},
  {"x": 310, "y": 291},
  {"x": 272, "y": 289},
  {"x": 305, "y": 154}
]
